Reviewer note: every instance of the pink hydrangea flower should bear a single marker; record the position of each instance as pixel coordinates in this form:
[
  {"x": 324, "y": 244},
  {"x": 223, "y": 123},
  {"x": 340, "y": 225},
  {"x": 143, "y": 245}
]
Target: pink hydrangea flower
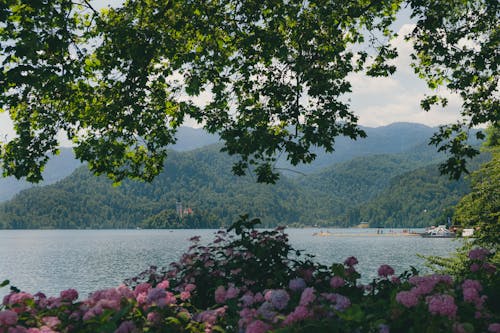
[
  {"x": 17, "y": 329},
  {"x": 51, "y": 321},
  {"x": 351, "y": 261},
  {"x": 210, "y": 316},
  {"x": 18, "y": 298},
  {"x": 142, "y": 288},
  {"x": 385, "y": 271},
  {"x": 258, "y": 297},
  {"x": 246, "y": 317},
  {"x": 425, "y": 284},
  {"x": 232, "y": 292},
  {"x": 337, "y": 282},
  {"x": 124, "y": 291},
  {"x": 472, "y": 284},
  {"x": 189, "y": 287},
  {"x": 220, "y": 294},
  {"x": 154, "y": 318},
  {"x": 165, "y": 284},
  {"x": 471, "y": 295},
  {"x": 142, "y": 298},
  {"x": 494, "y": 328},
  {"x": 407, "y": 298},
  {"x": 471, "y": 289},
  {"x": 395, "y": 280},
  {"x": 307, "y": 296},
  {"x": 442, "y": 304},
  {"x": 185, "y": 295},
  {"x": 300, "y": 313},
  {"x": 8, "y": 318},
  {"x": 258, "y": 326},
  {"x": 170, "y": 298},
  {"x": 69, "y": 295}
]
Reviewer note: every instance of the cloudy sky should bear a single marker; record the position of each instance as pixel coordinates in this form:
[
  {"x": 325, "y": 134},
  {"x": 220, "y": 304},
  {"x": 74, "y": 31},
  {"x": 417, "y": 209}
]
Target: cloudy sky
[{"x": 377, "y": 101}]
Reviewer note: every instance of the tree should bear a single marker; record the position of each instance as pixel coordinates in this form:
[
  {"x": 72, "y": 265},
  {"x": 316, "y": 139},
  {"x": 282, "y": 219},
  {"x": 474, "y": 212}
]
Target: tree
[
  {"x": 273, "y": 74},
  {"x": 481, "y": 207}
]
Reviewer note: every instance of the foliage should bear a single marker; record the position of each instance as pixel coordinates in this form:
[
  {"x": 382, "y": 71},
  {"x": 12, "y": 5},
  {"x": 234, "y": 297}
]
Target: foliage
[
  {"x": 273, "y": 75},
  {"x": 457, "y": 46},
  {"x": 253, "y": 281},
  {"x": 480, "y": 208}
]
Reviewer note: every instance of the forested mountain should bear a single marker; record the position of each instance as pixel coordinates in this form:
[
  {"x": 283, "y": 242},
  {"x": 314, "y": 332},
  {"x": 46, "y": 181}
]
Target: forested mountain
[
  {"x": 390, "y": 139},
  {"x": 58, "y": 167},
  {"x": 394, "y": 138},
  {"x": 378, "y": 189},
  {"x": 201, "y": 180},
  {"x": 417, "y": 197},
  {"x": 62, "y": 165}
]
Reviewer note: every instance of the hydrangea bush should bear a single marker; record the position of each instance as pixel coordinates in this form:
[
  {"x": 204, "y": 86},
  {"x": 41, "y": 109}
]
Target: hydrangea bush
[{"x": 254, "y": 281}]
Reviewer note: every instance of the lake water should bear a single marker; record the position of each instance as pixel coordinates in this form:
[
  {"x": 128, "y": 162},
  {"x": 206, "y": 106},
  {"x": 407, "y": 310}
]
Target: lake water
[{"x": 88, "y": 260}]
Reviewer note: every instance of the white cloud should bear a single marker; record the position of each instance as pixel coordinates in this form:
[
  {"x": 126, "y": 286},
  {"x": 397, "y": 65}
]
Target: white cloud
[{"x": 381, "y": 101}]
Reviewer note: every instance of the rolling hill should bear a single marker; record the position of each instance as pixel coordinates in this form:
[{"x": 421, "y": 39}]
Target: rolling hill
[{"x": 373, "y": 188}]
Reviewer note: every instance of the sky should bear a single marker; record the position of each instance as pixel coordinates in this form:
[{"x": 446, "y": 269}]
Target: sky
[{"x": 376, "y": 101}]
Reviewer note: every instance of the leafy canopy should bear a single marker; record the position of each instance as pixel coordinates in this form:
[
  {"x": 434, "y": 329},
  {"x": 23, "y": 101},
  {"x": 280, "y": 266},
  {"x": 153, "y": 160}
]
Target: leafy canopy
[
  {"x": 270, "y": 76},
  {"x": 481, "y": 208}
]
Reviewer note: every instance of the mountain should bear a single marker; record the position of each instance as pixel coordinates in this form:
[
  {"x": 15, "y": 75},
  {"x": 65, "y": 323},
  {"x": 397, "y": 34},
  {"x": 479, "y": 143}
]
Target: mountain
[
  {"x": 394, "y": 138},
  {"x": 417, "y": 197},
  {"x": 200, "y": 179},
  {"x": 58, "y": 167},
  {"x": 189, "y": 138},
  {"x": 62, "y": 165},
  {"x": 390, "y": 139},
  {"x": 363, "y": 189}
]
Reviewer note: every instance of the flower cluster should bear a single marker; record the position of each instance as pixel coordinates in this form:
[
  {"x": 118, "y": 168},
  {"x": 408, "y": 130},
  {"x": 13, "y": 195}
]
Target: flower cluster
[
  {"x": 123, "y": 309},
  {"x": 254, "y": 282}
]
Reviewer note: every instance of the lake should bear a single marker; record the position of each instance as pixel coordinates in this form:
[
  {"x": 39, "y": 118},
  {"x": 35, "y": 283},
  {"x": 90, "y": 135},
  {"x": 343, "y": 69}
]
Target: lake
[{"x": 88, "y": 260}]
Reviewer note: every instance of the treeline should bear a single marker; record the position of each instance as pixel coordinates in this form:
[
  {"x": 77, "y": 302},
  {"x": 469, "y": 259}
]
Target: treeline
[{"x": 396, "y": 190}]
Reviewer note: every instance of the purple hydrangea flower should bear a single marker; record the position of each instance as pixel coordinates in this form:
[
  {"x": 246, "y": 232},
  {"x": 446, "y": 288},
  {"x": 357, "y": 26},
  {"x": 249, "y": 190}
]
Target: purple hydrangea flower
[
  {"x": 297, "y": 284},
  {"x": 385, "y": 271}
]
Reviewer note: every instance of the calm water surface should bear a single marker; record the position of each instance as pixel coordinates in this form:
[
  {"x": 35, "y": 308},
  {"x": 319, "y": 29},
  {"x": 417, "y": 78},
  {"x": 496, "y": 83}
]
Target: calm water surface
[{"x": 88, "y": 260}]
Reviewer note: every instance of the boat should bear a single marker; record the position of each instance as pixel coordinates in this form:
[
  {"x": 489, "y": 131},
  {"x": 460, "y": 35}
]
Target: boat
[
  {"x": 322, "y": 233},
  {"x": 438, "y": 232}
]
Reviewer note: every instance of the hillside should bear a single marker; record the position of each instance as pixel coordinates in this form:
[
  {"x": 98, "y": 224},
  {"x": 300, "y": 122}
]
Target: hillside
[
  {"x": 391, "y": 139},
  {"x": 200, "y": 179},
  {"x": 58, "y": 167},
  {"x": 62, "y": 165},
  {"x": 363, "y": 189},
  {"x": 416, "y": 198}
]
